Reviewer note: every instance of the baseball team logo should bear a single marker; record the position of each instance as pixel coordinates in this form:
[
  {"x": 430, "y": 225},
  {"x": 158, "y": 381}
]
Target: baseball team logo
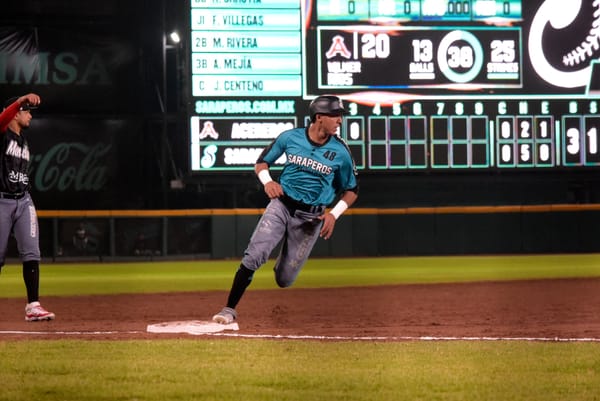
[
  {"x": 575, "y": 68},
  {"x": 209, "y": 156},
  {"x": 208, "y": 131}
]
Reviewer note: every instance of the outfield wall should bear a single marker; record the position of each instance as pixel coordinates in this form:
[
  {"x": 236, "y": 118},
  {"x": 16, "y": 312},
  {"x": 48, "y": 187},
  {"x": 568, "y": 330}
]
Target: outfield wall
[{"x": 224, "y": 233}]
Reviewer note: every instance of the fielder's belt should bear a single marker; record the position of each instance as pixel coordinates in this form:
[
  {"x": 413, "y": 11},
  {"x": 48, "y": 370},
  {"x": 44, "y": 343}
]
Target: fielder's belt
[
  {"x": 9, "y": 195},
  {"x": 292, "y": 205}
]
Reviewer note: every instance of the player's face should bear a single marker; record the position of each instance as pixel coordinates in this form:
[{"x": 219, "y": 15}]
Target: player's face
[
  {"x": 331, "y": 123},
  {"x": 24, "y": 118}
]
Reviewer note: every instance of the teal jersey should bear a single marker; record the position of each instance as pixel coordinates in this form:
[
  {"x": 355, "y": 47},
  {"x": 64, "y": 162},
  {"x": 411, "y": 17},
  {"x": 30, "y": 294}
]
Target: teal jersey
[{"x": 313, "y": 174}]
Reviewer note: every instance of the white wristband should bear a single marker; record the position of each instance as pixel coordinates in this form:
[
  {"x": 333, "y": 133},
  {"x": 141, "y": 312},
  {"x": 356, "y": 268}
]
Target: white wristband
[
  {"x": 339, "y": 208},
  {"x": 264, "y": 176}
]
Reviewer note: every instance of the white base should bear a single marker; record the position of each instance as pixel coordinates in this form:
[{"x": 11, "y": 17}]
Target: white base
[{"x": 191, "y": 327}]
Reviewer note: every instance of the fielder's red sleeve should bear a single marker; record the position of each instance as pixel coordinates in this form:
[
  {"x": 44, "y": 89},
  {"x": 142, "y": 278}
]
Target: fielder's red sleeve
[{"x": 8, "y": 114}]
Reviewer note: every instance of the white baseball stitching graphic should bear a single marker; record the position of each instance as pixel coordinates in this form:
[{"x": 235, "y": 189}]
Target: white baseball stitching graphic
[
  {"x": 560, "y": 14},
  {"x": 589, "y": 45}
]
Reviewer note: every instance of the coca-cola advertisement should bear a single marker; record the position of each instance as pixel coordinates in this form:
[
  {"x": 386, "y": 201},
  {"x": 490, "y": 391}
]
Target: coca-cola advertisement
[{"x": 86, "y": 163}]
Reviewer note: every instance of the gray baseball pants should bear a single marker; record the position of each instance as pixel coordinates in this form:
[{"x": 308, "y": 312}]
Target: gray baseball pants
[
  {"x": 20, "y": 217},
  {"x": 299, "y": 233}
]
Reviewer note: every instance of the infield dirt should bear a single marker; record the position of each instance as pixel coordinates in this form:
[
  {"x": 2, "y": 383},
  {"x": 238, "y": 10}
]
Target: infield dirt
[{"x": 565, "y": 308}]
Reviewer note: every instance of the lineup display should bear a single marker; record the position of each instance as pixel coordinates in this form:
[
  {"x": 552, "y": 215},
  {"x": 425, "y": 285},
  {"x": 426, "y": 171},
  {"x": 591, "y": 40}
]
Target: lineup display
[{"x": 430, "y": 84}]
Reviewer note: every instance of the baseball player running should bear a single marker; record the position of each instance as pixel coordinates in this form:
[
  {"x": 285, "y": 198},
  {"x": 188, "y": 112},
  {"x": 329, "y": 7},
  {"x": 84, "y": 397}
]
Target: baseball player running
[
  {"x": 318, "y": 168},
  {"x": 17, "y": 212}
]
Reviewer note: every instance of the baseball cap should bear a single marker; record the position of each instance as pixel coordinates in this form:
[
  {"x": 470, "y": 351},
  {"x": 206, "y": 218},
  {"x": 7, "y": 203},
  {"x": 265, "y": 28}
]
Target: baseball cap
[
  {"x": 24, "y": 106},
  {"x": 327, "y": 104}
]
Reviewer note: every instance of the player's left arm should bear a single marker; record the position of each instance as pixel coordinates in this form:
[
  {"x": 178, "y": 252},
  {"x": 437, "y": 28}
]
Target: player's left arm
[
  {"x": 347, "y": 183},
  {"x": 346, "y": 200}
]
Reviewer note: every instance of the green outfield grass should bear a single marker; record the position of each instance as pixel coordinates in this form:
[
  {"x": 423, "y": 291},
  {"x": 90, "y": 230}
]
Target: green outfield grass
[
  {"x": 208, "y": 368},
  {"x": 206, "y": 275},
  {"x": 262, "y": 370}
]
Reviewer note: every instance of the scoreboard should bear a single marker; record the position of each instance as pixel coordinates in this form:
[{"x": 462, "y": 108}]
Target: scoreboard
[{"x": 430, "y": 84}]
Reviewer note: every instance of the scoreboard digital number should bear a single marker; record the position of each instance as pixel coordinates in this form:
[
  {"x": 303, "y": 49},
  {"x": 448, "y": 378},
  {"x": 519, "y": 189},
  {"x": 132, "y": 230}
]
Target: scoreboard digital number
[{"x": 430, "y": 84}]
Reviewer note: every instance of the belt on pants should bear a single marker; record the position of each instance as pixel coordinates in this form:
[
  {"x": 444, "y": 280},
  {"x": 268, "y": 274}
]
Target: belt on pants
[
  {"x": 293, "y": 205},
  {"x": 8, "y": 195}
]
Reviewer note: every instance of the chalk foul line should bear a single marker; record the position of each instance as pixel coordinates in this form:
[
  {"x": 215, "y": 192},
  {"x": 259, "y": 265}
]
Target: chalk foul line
[
  {"x": 311, "y": 337},
  {"x": 68, "y": 333},
  {"x": 403, "y": 338}
]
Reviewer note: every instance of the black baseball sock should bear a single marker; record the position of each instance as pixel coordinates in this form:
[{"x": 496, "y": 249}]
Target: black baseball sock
[
  {"x": 31, "y": 276},
  {"x": 241, "y": 281}
]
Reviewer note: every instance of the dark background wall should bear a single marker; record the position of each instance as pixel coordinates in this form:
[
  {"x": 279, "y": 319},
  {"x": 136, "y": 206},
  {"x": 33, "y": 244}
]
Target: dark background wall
[{"x": 98, "y": 140}]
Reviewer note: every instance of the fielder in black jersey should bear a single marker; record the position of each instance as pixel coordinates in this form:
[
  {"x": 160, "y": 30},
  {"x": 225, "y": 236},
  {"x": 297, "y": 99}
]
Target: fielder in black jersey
[
  {"x": 17, "y": 211},
  {"x": 318, "y": 168}
]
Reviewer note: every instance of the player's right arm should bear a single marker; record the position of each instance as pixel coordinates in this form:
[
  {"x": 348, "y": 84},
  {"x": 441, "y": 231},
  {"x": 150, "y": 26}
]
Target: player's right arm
[
  {"x": 11, "y": 111},
  {"x": 261, "y": 168},
  {"x": 272, "y": 188},
  {"x": 30, "y": 98},
  {"x": 8, "y": 114}
]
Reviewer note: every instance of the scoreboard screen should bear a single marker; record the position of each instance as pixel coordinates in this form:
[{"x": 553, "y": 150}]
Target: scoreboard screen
[{"x": 430, "y": 84}]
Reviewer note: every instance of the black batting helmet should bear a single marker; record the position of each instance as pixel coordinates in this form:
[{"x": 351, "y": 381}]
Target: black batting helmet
[{"x": 326, "y": 104}]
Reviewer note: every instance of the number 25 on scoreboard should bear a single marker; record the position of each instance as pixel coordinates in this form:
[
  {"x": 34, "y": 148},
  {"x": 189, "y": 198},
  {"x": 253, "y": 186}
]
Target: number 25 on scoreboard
[{"x": 502, "y": 51}]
